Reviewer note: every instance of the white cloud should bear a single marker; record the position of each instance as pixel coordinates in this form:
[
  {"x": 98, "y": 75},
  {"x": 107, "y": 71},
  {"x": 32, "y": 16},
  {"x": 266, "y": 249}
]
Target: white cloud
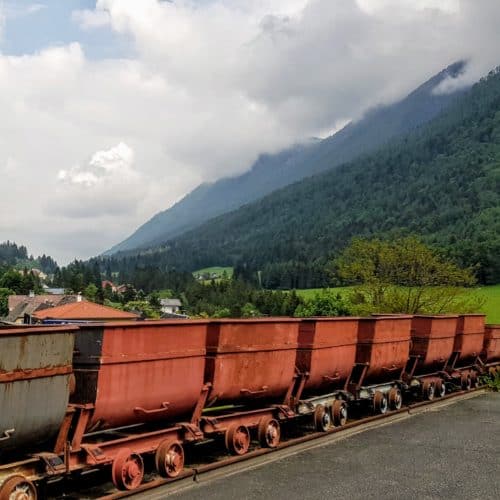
[
  {"x": 208, "y": 86},
  {"x": 90, "y": 19},
  {"x": 105, "y": 167},
  {"x": 107, "y": 185},
  {"x": 12, "y": 10}
]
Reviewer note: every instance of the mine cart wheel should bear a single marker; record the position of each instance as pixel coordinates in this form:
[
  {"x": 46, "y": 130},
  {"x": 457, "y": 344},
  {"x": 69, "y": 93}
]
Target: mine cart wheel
[
  {"x": 428, "y": 390},
  {"x": 339, "y": 413},
  {"x": 169, "y": 458},
  {"x": 395, "y": 399},
  {"x": 466, "y": 381},
  {"x": 237, "y": 439},
  {"x": 17, "y": 488},
  {"x": 380, "y": 402},
  {"x": 322, "y": 418},
  {"x": 127, "y": 470},
  {"x": 269, "y": 432},
  {"x": 440, "y": 388}
]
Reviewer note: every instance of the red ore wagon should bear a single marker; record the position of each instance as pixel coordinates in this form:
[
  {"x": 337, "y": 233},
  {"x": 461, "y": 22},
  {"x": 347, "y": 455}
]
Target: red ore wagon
[
  {"x": 433, "y": 338},
  {"x": 491, "y": 349},
  {"x": 469, "y": 339},
  {"x": 136, "y": 372},
  {"x": 327, "y": 352},
  {"x": 382, "y": 354},
  {"x": 251, "y": 360},
  {"x": 250, "y": 366}
]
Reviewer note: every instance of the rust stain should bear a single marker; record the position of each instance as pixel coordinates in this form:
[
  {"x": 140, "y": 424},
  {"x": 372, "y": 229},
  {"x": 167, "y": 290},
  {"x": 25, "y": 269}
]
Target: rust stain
[{"x": 19, "y": 374}]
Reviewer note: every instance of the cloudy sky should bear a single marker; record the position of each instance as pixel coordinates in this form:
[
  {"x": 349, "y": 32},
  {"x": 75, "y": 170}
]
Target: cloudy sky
[{"x": 113, "y": 110}]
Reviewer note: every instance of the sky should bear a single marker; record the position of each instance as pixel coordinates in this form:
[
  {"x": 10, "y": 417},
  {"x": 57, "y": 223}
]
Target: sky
[{"x": 111, "y": 111}]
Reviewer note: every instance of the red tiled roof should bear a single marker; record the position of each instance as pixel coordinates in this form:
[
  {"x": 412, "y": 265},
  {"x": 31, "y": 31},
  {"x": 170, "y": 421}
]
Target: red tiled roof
[{"x": 83, "y": 310}]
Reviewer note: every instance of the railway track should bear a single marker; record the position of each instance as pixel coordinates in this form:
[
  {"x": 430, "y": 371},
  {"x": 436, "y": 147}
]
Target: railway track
[{"x": 158, "y": 488}]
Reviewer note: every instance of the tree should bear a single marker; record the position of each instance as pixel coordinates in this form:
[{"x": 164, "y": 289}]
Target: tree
[
  {"x": 324, "y": 303},
  {"x": 142, "y": 306},
  {"x": 249, "y": 311},
  {"x": 4, "y": 301},
  {"x": 129, "y": 294},
  {"x": 403, "y": 275},
  {"x": 154, "y": 301},
  {"x": 90, "y": 292}
]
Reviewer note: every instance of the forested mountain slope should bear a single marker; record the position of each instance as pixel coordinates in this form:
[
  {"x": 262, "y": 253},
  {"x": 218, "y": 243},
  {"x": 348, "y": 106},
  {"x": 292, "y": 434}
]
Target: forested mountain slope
[
  {"x": 441, "y": 181},
  {"x": 13, "y": 255},
  {"x": 271, "y": 172}
]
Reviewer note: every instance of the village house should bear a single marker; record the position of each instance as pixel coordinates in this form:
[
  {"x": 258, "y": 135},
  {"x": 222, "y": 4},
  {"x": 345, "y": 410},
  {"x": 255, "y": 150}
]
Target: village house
[
  {"x": 170, "y": 306},
  {"x": 82, "y": 310},
  {"x": 22, "y": 307}
]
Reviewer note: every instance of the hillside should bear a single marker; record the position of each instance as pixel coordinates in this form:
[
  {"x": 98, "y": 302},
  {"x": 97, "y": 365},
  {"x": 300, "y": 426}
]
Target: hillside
[
  {"x": 13, "y": 255},
  {"x": 271, "y": 172},
  {"x": 441, "y": 181}
]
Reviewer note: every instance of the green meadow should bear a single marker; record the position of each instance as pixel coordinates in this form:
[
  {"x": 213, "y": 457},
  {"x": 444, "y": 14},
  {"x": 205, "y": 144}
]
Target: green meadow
[
  {"x": 490, "y": 295},
  {"x": 216, "y": 270}
]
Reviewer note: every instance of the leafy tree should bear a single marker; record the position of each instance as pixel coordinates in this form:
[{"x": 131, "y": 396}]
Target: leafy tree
[
  {"x": 220, "y": 312},
  {"x": 129, "y": 294},
  {"x": 107, "y": 292},
  {"x": 402, "y": 275},
  {"x": 13, "y": 280},
  {"x": 91, "y": 292},
  {"x": 20, "y": 282},
  {"x": 249, "y": 311},
  {"x": 154, "y": 301},
  {"x": 324, "y": 303},
  {"x": 143, "y": 307},
  {"x": 4, "y": 301}
]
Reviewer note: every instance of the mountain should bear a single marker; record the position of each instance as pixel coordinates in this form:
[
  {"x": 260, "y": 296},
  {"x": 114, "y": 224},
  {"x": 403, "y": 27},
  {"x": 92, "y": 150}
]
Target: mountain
[
  {"x": 273, "y": 171},
  {"x": 441, "y": 182}
]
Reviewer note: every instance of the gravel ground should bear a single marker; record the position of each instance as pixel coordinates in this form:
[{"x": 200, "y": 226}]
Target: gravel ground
[{"x": 446, "y": 453}]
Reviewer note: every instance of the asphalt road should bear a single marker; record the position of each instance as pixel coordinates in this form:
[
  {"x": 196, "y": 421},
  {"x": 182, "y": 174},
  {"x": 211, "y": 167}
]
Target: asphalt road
[{"x": 447, "y": 453}]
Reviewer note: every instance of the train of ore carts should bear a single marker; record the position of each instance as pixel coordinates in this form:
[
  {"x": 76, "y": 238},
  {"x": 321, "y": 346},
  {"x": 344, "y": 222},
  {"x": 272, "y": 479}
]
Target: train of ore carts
[{"x": 107, "y": 396}]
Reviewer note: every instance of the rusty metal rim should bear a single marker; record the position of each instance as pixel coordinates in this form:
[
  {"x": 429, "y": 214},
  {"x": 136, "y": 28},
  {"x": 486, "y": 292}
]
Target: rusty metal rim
[
  {"x": 38, "y": 330},
  {"x": 29, "y": 374},
  {"x": 196, "y": 471}
]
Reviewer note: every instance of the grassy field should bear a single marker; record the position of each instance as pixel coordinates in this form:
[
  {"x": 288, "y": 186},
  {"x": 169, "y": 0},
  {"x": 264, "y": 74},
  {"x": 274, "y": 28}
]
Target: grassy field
[
  {"x": 491, "y": 295},
  {"x": 492, "y": 305},
  {"x": 216, "y": 270}
]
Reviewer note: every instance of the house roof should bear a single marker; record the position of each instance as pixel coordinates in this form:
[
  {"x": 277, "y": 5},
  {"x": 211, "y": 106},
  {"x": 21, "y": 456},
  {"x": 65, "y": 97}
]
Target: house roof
[
  {"x": 170, "y": 302},
  {"x": 19, "y": 305},
  {"x": 84, "y": 310}
]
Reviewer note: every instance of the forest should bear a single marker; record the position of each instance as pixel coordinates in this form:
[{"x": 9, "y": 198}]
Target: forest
[{"x": 440, "y": 183}]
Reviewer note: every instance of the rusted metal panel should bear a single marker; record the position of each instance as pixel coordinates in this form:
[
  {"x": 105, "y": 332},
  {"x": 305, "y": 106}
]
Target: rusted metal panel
[
  {"x": 35, "y": 380},
  {"x": 136, "y": 372},
  {"x": 434, "y": 326},
  {"x": 492, "y": 343},
  {"x": 251, "y": 359},
  {"x": 469, "y": 338},
  {"x": 433, "y": 339},
  {"x": 384, "y": 345},
  {"x": 326, "y": 352}
]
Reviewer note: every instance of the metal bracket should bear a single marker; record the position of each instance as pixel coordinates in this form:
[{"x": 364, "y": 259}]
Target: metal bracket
[
  {"x": 248, "y": 392},
  {"x": 336, "y": 376},
  {"x": 163, "y": 410},
  {"x": 54, "y": 464}
]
